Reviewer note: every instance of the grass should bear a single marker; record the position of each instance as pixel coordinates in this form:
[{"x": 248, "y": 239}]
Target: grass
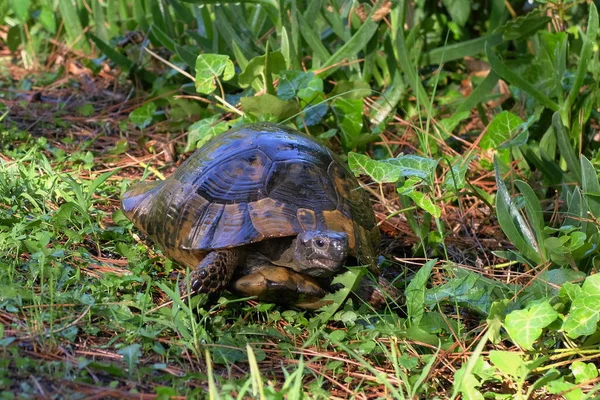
[{"x": 486, "y": 198}]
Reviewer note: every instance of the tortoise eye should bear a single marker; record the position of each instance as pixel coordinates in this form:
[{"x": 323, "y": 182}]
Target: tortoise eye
[{"x": 320, "y": 242}]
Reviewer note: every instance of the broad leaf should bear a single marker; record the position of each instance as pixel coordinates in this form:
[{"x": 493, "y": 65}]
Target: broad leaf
[
  {"x": 585, "y": 311},
  {"x": 525, "y": 326},
  {"x": 209, "y": 67},
  {"x": 257, "y": 66},
  {"x": 269, "y": 104},
  {"x": 503, "y": 127},
  {"x": 202, "y": 131},
  {"x": 143, "y": 115},
  {"x": 415, "y": 293}
]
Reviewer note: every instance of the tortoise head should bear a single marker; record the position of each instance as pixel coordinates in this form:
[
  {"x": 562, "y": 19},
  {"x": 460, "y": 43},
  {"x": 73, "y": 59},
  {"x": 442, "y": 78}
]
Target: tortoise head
[{"x": 321, "y": 253}]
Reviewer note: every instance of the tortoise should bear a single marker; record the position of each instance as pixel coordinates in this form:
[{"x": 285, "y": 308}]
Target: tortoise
[{"x": 261, "y": 210}]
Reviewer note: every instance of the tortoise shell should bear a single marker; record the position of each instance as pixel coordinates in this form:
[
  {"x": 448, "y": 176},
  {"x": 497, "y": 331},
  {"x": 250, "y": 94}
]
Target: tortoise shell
[{"x": 252, "y": 183}]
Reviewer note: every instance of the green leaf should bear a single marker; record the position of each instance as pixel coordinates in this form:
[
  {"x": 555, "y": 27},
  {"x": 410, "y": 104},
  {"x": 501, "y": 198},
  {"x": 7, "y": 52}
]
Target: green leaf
[
  {"x": 512, "y": 223},
  {"x": 459, "y": 10},
  {"x": 584, "y": 371},
  {"x": 47, "y": 19},
  {"x": 72, "y": 24},
  {"x": 425, "y": 202},
  {"x": 509, "y": 363},
  {"x": 565, "y": 147},
  {"x": 390, "y": 170},
  {"x": 585, "y": 311},
  {"x": 21, "y": 9},
  {"x": 534, "y": 212},
  {"x": 202, "y": 131},
  {"x": 13, "y": 38},
  {"x": 348, "y": 280},
  {"x": 455, "y": 178},
  {"x": 143, "y": 115},
  {"x": 291, "y": 82},
  {"x": 585, "y": 55},
  {"x": 119, "y": 59},
  {"x": 525, "y": 326},
  {"x": 480, "y": 94},
  {"x": 209, "y": 67},
  {"x": 590, "y": 186},
  {"x": 461, "y": 50},
  {"x": 320, "y": 52},
  {"x": 349, "y": 115},
  {"x": 269, "y": 104},
  {"x": 415, "y": 166},
  {"x": 568, "y": 389},
  {"x": 512, "y": 77},
  {"x": 351, "y": 48},
  {"x": 257, "y": 66},
  {"x": 415, "y": 292},
  {"x": 448, "y": 124},
  {"x": 503, "y": 127},
  {"x": 379, "y": 171},
  {"x": 351, "y": 90},
  {"x": 524, "y": 26}
]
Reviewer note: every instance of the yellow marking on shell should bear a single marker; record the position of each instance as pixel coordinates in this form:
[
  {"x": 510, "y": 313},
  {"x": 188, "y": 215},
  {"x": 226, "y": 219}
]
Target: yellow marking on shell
[
  {"x": 307, "y": 219},
  {"x": 336, "y": 221},
  {"x": 271, "y": 218}
]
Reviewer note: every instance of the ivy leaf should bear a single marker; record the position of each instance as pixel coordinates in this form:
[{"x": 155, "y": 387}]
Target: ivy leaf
[
  {"x": 509, "y": 363},
  {"x": 585, "y": 311},
  {"x": 257, "y": 67},
  {"x": 379, "y": 171},
  {"x": 21, "y": 9},
  {"x": 290, "y": 82},
  {"x": 503, "y": 127},
  {"x": 392, "y": 169},
  {"x": 525, "y": 326},
  {"x": 269, "y": 104},
  {"x": 143, "y": 115},
  {"x": 416, "y": 166},
  {"x": 584, "y": 371},
  {"x": 455, "y": 178},
  {"x": 351, "y": 89},
  {"x": 349, "y": 116},
  {"x": 415, "y": 292},
  {"x": 202, "y": 131},
  {"x": 210, "y": 67},
  {"x": 346, "y": 281},
  {"x": 425, "y": 202}
]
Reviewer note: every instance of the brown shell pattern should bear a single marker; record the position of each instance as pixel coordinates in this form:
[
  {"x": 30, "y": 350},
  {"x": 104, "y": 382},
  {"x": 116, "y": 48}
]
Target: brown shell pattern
[{"x": 251, "y": 183}]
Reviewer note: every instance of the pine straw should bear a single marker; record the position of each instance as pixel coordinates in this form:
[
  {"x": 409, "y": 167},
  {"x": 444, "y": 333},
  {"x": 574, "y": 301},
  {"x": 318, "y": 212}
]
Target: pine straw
[{"x": 472, "y": 233}]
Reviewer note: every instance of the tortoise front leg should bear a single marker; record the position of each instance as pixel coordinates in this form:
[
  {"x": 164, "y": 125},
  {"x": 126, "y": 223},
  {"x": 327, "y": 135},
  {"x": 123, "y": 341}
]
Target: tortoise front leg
[
  {"x": 213, "y": 273},
  {"x": 280, "y": 285}
]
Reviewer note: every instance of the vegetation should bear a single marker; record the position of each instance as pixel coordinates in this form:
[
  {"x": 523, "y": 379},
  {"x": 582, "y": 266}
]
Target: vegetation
[{"x": 472, "y": 123}]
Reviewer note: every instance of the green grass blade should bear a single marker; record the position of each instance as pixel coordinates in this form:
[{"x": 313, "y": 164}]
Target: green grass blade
[
  {"x": 507, "y": 74},
  {"x": 590, "y": 186},
  {"x": 99, "y": 20},
  {"x": 584, "y": 57},
  {"x": 512, "y": 223},
  {"x": 461, "y": 50},
  {"x": 73, "y": 25},
  {"x": 402, "y": 57},
  {"x": 534, "y": 212},
  {"x": 353, "y": 46},
  {"x": 565, "y": 147},
  {"x": 320, "y": 53},
  {"x": 480, "y": 94},
  {"x": 111, "y": 53}
]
